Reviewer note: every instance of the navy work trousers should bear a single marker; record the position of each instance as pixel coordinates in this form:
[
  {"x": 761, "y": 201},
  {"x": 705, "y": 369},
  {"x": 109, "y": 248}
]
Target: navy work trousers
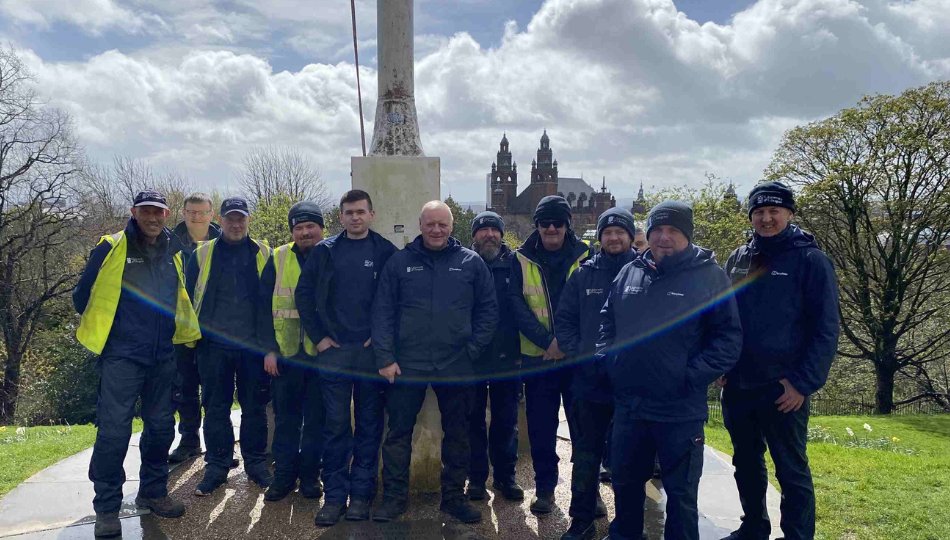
[
  {"x": 221, "y": 370},
  {"x": 543, "y": 392},
  {"x": 499, "y": 442},
  {"x": 351, "y": 458},
  {"x": 298, "y": 421},
  {"x": 679, "y": 447},
  {"x": 122, "y": 382},
  {"x": 754, "y": 421},
  {"x": 185, "y": 395},
  {"x": 591, "y": 422}
]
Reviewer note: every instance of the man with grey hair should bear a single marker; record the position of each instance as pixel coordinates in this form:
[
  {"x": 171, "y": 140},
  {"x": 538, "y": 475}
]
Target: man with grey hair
[{"x": 435, "y": 311}]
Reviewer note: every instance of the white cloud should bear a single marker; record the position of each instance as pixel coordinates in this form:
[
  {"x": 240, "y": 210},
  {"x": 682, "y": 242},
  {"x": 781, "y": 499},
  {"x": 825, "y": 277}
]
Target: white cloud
[
  {"x": 91, "y": 16},
  {"x": 628, "y": 89}
]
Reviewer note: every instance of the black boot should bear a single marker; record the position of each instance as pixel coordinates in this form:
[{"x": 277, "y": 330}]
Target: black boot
[
  {"x": 211, "y": 481},
  {"x": 108, "y": 525},
  {"x": 162, "y": 506},
  {"x": 279, "y": 488},
  {"x": 184, "y": 452},
  {"x": 358, "y": 510},
  {"x": 580, "y": 530},
  {"x": 476, "y": 492},
  {"x": 543, "y": 502},
  {"x": 509, "y": 490},
  {"x": 390, "y": 509},
  {"x": 461, "y": 510},
  {"x": 330, "y": 514}
]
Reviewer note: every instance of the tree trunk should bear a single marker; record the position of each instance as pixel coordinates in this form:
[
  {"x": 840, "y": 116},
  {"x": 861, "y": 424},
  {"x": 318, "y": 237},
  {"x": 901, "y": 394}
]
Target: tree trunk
[
  {"x": 10, "y": 390},
  {"x": 884, "y": 398}
]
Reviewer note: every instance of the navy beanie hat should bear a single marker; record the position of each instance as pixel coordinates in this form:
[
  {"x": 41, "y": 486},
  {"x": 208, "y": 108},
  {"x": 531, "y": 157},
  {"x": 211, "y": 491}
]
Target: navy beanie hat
[
  {"x": 553, "y": 207},
  {"x": 616, "y": 217},
  {"x": 771, "y": 194},
  {"x": 488, "y": 219},
  {"x": 674, "y": 213},
  {"x": 305, "y": 211}
]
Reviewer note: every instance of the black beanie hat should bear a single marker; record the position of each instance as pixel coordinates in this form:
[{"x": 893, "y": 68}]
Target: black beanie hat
[
  {"x": 304, "y": 211},
  {"x": 616, "y": 217},
  {"x": 771, "y": 194},
  {"x": 553, "y": 207},
  {"x": 674, "y": 213},
  {"x": 488, "y": 219}
]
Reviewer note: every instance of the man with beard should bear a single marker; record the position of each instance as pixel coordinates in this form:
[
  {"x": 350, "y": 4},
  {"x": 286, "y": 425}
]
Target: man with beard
[
  {"x": 539, "y": 271},
  {"x": 134, "y": 307},
  {"x": 788, "y": 302},
  {"x": 295, "y": 384},
  {"x": 578, "y": 326},
  {"x": 497, "y": 367},
  {"x": 198, "y": 226},
  {"x": 669, "y": 328},
  {"x": 435, "y": 312},
  {"x": 335, "y": 299},
  {"x": 223, "y": 279}
]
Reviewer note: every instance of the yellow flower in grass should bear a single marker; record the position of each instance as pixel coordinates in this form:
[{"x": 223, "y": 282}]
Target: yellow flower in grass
[{"x": 895, "y": 439}]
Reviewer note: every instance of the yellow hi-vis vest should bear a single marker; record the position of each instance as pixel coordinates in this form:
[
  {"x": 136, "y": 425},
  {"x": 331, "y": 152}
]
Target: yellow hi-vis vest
[
  {"x": 203, "y": 253},
  {"x": 287, "y": 327},
  {"x": 536, "y": 295},
  {"x": 96, "y": 321}
]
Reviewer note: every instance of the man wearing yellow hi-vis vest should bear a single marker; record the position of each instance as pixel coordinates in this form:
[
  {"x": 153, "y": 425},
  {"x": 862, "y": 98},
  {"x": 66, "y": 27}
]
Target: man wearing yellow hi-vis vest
[
  {"x": 223, "y": 280},
  {"x": 134, "y": 307},
  {"x": 295, "y": 382},
  {"x": 539, "y": 271}
]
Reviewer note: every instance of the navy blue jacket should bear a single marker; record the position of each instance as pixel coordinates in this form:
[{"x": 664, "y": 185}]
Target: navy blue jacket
[
  {"x": 501, "y": 356},
  {"x": 667, "y": 332},
  {"x": 144, "y": 321},
  {"x": 433, "y": 308},
  {"x": 577, "y": 322},
  {"x": 525, "y": 319},
  {"x": 317, "y": 278},
  {"x": 788, "y": 301},
  {"x": 212, "y": 320}
]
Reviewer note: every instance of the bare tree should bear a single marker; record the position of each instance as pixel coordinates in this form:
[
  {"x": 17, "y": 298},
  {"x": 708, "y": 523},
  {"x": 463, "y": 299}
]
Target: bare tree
[
  {"x": 875, "y": 188},
  {"x": 273, "y": 171},
  {"x": 39, "y": 161}
]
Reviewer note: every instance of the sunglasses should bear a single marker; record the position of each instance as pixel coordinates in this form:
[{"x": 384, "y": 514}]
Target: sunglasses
[{"x": 557, "y": 223}]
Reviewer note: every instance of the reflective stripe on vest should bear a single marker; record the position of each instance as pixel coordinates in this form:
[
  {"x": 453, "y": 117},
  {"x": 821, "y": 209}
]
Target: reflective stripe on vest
[
  {"x": 287, "y": 328},
  {"x": 203, "y": 255},
  {"x": 96, "y": 322},
  {"x": 536, "y": 295}
]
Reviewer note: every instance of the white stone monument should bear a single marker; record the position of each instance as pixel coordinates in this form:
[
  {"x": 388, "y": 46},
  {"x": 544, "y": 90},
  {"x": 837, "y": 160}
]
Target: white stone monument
[{"x": 400, "y": 179}]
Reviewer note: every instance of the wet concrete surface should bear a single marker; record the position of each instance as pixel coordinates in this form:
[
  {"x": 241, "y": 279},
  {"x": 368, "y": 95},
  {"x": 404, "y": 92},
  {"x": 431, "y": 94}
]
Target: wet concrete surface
[{"x": 237, "y": 510}]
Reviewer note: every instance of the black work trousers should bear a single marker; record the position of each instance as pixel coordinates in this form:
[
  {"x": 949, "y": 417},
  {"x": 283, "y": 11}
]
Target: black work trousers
[
  {"x": 185, "y": 395},
  {"x": 754, "y": 421},
  {"x": 404, "y": 400},
  {"x": 498, "y": 443},
  {"x": 122, "y": 381},
  {"x": 298, "y": 421}
]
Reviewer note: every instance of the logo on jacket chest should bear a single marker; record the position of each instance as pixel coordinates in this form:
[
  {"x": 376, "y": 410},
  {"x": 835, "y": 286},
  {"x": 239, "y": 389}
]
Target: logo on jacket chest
[
  {"x": 633, "y": 289},
  {"x": 594, "y": 291},
  {"x": 453, "y": 269},
  {"x": 134, "y": 260},
  {"x": 367, "y": 264},
  {"x": 778, "y": 273},
  {"x": 411, "y": 269}
]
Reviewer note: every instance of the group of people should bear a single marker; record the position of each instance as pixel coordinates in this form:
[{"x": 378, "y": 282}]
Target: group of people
[{"x": 628, "y": 339}]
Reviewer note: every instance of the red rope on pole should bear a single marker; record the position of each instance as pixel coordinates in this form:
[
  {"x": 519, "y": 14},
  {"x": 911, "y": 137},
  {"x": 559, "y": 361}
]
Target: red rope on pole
[{"x": 359, "y": 94}]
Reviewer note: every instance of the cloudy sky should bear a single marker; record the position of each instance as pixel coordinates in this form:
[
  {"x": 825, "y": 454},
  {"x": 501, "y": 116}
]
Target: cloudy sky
[{"x": 657, "y": 91}]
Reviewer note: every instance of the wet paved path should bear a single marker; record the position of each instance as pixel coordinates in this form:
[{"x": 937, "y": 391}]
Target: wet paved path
[{"x": 56, "y": 503}]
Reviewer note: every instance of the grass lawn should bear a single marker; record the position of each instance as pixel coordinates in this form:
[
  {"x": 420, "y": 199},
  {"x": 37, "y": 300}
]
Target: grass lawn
[
  {"x": 890, "y": 482},
  {"x": 26, "y": 451}
]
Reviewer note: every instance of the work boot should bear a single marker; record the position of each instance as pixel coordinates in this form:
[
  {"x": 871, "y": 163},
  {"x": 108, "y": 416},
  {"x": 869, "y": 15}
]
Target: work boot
[
  {"x": 259, "y": 474},
  {"x": 165, "y": 507},
  {"x": 509, "y": 490},
  {"x": 461, "y": 510},
  {"x": 543, "y": 502},
  {"x": 212, "y": 480},
  {"x": 740, "y": 534},
  {"x": 330, "y": 514},
  {"x": 580, "y": 530},
  {"x": 279, "y": 488},
  {"x": 390, "y": 509},
  {"x": 476, "y": 492},
  {"x": 600, "y": 509},
  {"x": 358, "y": 510},
  {"x": 235, "y": 463},
  {"x": 107, "y": 525},
  {"x": 311, "y": 490},
  {"x": 605, "y": 475},
  {"x": 184, "y": 452}
]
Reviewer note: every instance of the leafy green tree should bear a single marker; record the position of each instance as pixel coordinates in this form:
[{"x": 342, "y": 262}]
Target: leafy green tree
[
  {"x": 873, "y": 184},
  {"x": 269, "y": 219},
  {"x": 462, "y": 229}
]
